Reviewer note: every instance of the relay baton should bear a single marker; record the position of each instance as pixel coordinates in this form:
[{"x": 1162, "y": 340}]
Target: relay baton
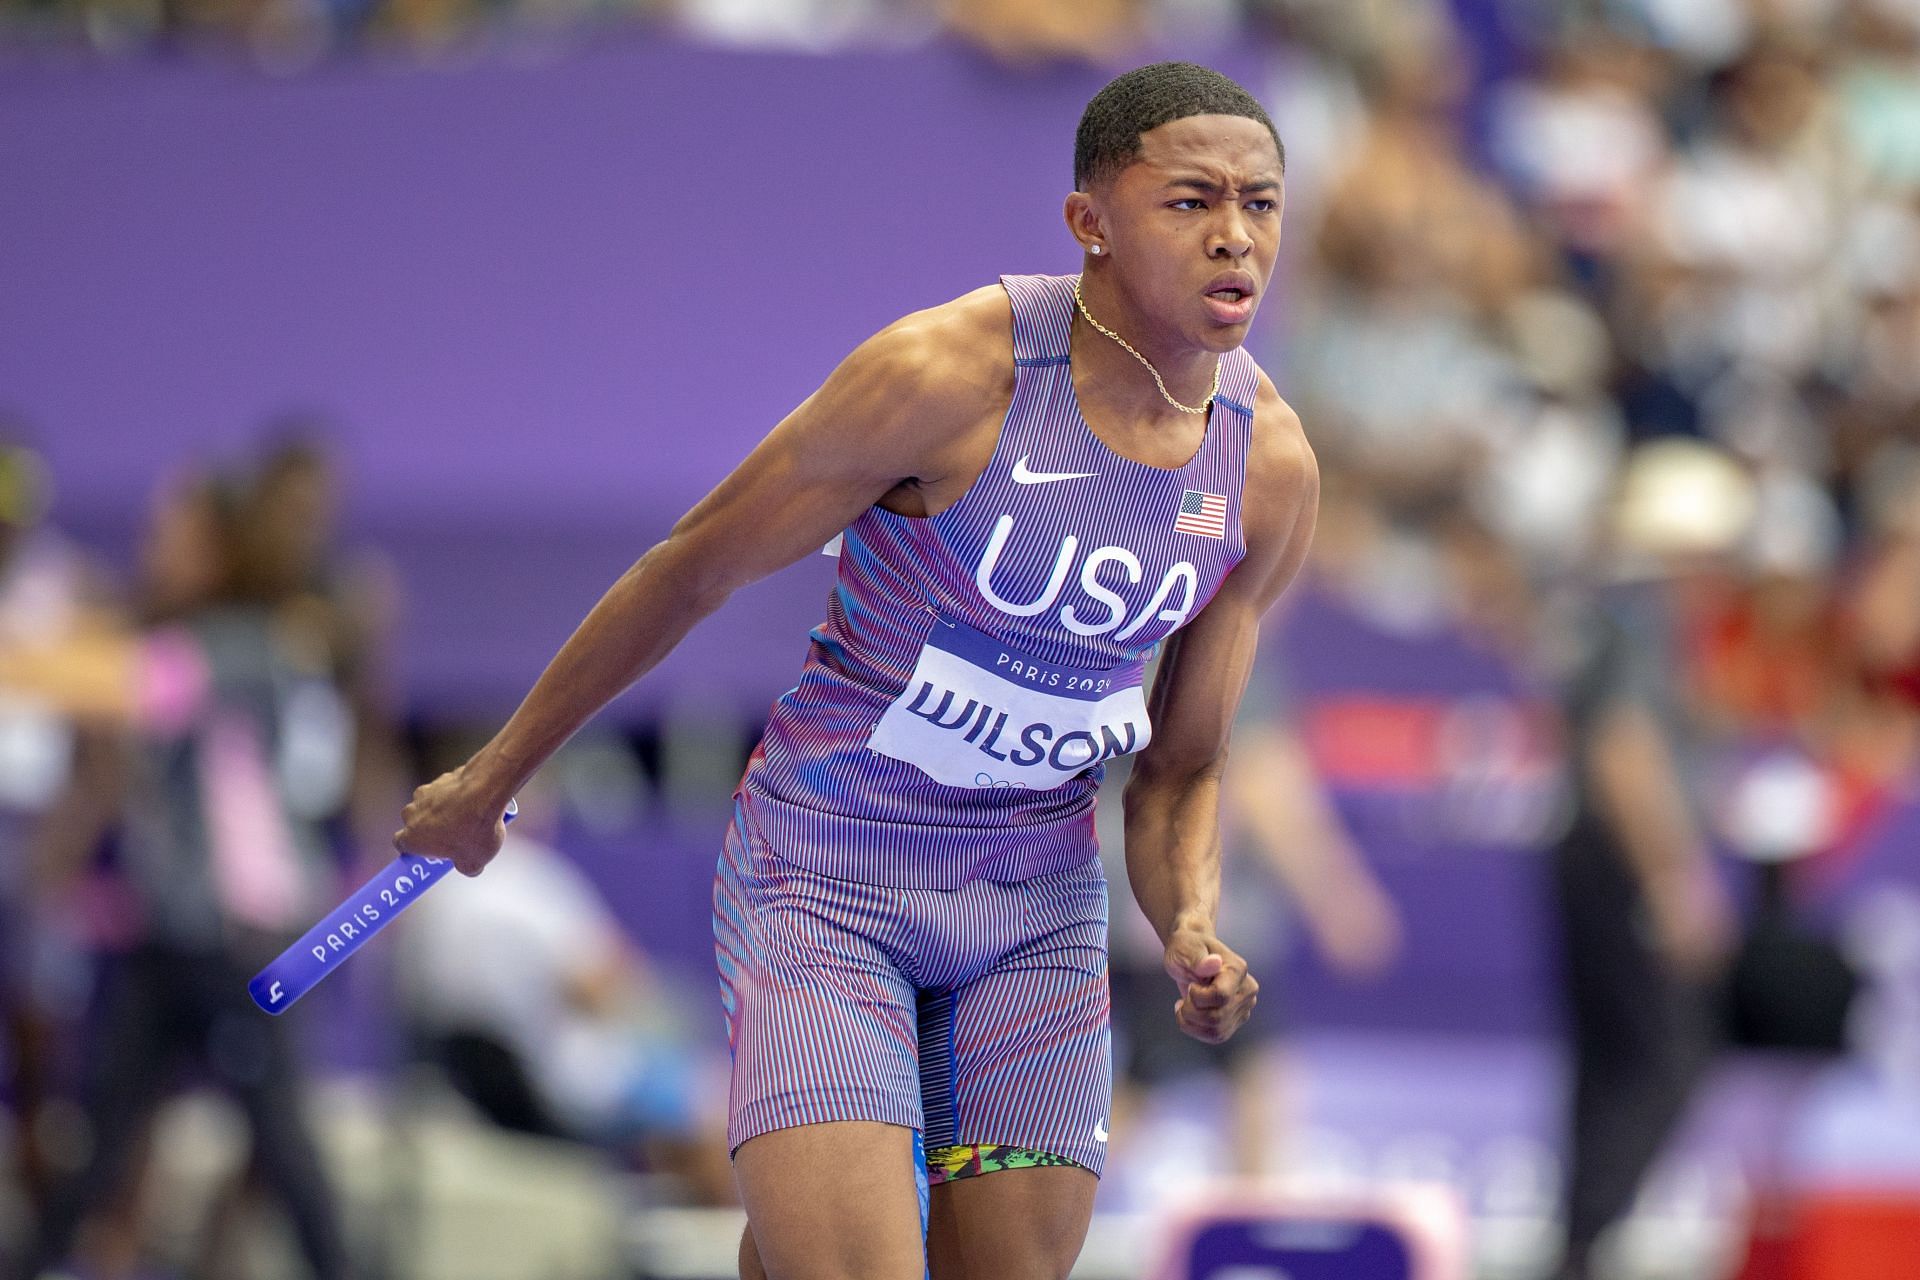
[{"x": 326, "y": 946}]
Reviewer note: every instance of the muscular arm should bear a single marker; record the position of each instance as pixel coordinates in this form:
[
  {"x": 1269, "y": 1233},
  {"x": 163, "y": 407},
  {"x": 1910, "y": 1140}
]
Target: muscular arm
[
  {"x": 1173, "y": 797},
  {"x": 899, "y": 408}
]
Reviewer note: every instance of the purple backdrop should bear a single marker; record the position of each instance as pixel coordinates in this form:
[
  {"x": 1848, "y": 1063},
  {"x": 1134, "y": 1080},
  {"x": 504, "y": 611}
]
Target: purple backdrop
[{"x": 580, "y": 288}]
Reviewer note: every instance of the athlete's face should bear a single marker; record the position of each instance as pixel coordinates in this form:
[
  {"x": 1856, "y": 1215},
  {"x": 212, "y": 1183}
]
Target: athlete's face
[{"x": 1192, "y": 227}]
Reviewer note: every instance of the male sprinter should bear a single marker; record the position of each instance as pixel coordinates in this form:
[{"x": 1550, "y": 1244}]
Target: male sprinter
[{"x": 1039, "y": 483}]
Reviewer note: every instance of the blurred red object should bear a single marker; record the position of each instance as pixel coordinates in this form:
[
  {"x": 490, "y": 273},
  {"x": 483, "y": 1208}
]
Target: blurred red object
[
  {"x": 1769, "y": 660},
  {"x": 1836, "y": 1235},
  {"x": 1905, "y": 681}
]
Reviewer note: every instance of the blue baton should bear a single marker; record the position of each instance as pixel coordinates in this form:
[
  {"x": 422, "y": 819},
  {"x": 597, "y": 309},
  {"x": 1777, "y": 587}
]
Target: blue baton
[{"x": 366, "y": 912}]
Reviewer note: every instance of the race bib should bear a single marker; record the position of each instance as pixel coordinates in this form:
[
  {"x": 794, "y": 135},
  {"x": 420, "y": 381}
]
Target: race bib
[{"x": 978, "y": 714}]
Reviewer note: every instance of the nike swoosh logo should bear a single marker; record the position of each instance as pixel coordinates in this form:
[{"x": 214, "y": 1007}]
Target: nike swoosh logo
[
  {"x": 1021, "y": 475},
  {"x": 1100, "y": 1130}
]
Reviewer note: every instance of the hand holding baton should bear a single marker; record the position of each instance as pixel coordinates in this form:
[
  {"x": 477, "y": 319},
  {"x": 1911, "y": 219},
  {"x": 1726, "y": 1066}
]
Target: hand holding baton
[{"x": 367, "y": 911}]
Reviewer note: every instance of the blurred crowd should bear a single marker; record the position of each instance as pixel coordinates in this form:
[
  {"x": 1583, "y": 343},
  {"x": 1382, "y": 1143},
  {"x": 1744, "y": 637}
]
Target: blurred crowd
[
  {"x": 1634, "y": 331},
  {"x": 1604, "y": 318},
  {"x": 200, "y": 733},
  {"x": 197, "y": 764},
  {"x": 1694, "y": 220},
  {"x": 1605, "y": 327},
  {"x": 287, "y": 35}
]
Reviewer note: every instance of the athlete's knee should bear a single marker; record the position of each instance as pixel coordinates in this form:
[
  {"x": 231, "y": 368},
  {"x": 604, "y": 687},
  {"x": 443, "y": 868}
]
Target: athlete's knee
[
  {"x": 1037, "y": 1257},
  {"x": 1048, "y": 1249},
  {"x": 751, "y": 1268},
  {"x": 1025, "y": 1223},
  {"x": 987, "y": 1253},
  {"x": 826, "y": 1262}
]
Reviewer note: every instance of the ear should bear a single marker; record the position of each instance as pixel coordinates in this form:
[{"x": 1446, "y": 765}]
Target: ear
[{"x": 1084, "y": 221}]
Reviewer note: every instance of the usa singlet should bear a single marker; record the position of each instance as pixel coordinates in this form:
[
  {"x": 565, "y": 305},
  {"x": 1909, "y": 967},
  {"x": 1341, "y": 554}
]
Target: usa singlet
[
  {"x": 910, "y": 919},
  {"x": 977, "y": 667}
]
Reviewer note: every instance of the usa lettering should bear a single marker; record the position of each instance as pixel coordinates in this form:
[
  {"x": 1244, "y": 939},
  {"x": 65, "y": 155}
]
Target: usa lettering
[
  {"x": 984, "y": 726},
  {"x": 1104, "y": 608}
]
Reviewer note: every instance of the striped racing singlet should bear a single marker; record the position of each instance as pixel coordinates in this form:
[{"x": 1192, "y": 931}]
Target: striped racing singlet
[{"x": 975, "y": 667}]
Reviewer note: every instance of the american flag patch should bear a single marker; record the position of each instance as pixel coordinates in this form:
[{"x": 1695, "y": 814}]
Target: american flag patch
[{"x": 1202, "y": 513}]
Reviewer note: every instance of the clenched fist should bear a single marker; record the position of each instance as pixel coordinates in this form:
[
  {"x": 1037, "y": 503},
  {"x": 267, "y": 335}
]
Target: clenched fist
[
  {"x": 449, "y": 818},
  {"x": 1217, "y": 994}
]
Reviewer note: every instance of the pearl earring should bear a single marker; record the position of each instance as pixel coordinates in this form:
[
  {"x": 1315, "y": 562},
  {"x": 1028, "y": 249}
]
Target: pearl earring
[{"x": 1093, "y": 248}]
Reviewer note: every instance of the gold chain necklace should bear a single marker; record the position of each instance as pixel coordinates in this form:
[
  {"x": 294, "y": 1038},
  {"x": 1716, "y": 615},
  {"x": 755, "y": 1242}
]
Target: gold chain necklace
[{"x": 1128, "y": 348}]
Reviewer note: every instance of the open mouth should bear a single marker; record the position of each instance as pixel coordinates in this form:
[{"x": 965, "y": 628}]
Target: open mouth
[{"x": 1231, "y": 300}]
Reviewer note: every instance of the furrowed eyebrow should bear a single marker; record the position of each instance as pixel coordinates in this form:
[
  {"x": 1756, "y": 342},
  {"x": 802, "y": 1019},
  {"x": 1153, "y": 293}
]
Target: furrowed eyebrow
[{"x": 1264, "y": 186}]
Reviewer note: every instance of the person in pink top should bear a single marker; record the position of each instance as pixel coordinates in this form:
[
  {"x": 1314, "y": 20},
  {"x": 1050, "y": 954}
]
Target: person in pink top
[{"x": 1036, "y": 486}]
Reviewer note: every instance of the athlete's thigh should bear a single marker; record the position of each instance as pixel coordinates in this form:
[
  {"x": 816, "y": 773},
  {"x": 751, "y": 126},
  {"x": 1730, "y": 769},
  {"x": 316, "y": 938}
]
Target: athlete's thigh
[
  {"x": 832, "y": 1201},
  {"x": 1027, "y": 1060},
  {"x": 1015, "y": 1224},
  {"x": 820, "y": 1019}
]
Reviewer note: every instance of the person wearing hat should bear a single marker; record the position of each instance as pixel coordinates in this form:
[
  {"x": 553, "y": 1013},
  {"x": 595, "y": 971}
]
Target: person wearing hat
[{"x": 1646, "y": 926}]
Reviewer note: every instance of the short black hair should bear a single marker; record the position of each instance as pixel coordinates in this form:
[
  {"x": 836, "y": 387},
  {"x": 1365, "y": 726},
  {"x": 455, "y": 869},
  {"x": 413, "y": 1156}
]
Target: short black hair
[{"x": 1108, "y": 139}]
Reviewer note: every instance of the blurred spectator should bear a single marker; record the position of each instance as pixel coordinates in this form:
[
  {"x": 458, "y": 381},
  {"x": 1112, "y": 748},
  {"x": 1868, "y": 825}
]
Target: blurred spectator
[
  {"x": 51, "y": 775},
  {"x": 1584, "y": 142},
  {"x": 1543, "y": 489},
  {"x": 222, "y": 873},
  {"x": 526, "y": 992},
  {"x": 1768, "y": 659},
  {"x": 342, "y": 753},
  {"x": 1026, "y": 31},
  {"x": 1874, "y": 732},
  {"x": 1878, "y": 79},
  {"x": 1750, "y": 216},
  {"x": 1646, "y": 926},
  {"x": 805, "y": 24},
  {"x": 1394, "y": 365}
]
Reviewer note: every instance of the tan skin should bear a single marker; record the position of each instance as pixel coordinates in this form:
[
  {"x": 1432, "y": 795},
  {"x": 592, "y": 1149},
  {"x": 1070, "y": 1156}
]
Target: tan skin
[{"x": 909, "y": 421}]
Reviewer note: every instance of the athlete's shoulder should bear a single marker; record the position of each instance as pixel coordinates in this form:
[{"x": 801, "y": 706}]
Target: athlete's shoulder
[
  {"x": 956, "y": 352},
  {"x": 981, "y": 318},
  {"x": 1281, "y": 494},
  {"x": 1280, "y": 452}
]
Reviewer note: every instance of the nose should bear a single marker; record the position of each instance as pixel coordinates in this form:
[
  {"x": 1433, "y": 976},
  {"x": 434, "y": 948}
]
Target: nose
[{"x": 1231, "y": 240}]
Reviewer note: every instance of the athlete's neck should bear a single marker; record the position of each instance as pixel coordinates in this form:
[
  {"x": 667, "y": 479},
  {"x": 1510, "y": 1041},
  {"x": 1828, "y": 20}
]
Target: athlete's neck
[{"x": 1124, "y": 381}]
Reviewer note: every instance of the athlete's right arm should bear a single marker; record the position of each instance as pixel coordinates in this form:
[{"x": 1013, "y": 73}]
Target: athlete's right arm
[{"x": 900, "y": 408}]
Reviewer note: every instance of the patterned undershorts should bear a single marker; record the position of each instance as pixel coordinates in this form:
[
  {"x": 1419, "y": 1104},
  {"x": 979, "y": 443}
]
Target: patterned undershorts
[{"x": 950, "y": 1164}]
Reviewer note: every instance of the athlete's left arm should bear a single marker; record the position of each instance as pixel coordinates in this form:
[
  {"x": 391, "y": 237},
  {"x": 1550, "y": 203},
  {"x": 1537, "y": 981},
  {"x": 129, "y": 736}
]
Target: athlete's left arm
[{"x": 1173, "y": 797}]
